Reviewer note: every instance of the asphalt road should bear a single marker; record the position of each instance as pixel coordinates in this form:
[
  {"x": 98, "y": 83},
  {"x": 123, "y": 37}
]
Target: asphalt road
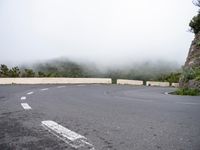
[{"x": 111, "y": 117}]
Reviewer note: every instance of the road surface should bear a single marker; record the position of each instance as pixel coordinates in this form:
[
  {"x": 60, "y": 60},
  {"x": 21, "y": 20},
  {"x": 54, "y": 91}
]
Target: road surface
[{"x": 97, "y": 117}]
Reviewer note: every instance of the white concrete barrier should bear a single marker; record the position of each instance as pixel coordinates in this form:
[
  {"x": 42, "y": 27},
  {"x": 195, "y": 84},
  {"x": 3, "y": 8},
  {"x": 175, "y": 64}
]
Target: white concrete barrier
[
  {"x": 155, "y": 83},
  {"x": 129, "y": 82},
  {"x": 55, "y": 81},
  {"x": 176, "y": 85}
]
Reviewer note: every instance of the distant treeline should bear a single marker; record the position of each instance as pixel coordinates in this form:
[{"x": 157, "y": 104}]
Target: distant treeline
[{"x": 74, "y": 70}]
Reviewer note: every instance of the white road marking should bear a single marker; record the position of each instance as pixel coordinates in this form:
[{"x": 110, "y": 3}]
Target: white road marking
[
  {"x": 61, "y": 86},
  {"x": 188, "y": 103},
  {"x": 30, "y": 93},
  {"x": 75, "y": 140},
  {"x": 44, "y": 89},
  {"x": 80, "y": 85},
  {"x": 26, "y": 106},
  {"x": 23, "y": 97}
]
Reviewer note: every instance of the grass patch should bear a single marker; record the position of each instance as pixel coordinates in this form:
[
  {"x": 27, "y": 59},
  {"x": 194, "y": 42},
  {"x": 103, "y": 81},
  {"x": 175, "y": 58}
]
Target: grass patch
[{"x": 187, "y": 91}]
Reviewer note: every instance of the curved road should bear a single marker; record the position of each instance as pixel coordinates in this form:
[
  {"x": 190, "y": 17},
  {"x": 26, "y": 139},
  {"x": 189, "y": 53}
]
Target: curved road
[{"x": 104, "y": 117}]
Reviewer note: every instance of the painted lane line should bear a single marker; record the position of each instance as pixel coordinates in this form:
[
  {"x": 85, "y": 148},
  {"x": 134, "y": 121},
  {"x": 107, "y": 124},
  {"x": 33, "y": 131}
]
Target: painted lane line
[
  {"x": 61, "y": 87},
  {"x": 23, "y": 97},
  {"x": 188, "y": 103},
  {"x": 80, "y": 85},
  {"x": 30, "y": 93},
  {"x": 26, "y": 106},
  {"x": 73, "y": 139},
  {"x": 45, "y": 89}
]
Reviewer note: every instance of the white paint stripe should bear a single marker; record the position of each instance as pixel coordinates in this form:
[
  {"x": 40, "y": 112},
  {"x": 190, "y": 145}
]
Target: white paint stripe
[
  {"x": 75, "y": 140},
  {"x": 44, "y": 89},
  {"x": 81, "y": 85},
  {"x": 61, "y": 86},
  {"x": 23, "y": 97},
  {"x": 188, "y": 103},
  {"x": 25, "y": 106},
  {"x": 30, "y": 93}
]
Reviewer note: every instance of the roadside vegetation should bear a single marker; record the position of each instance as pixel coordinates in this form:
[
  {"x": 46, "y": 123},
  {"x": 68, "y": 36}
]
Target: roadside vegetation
[
  {"x": 190, "y": 79},
  {"x": 190, "y": 74},
  {"x": 187, "y": 91}
]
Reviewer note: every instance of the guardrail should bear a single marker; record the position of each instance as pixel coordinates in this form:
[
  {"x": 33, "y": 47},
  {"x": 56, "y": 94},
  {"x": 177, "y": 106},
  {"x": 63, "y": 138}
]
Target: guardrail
[
  {"x": 155, "y": 83},
  {"x": 55, "y": 81},
  {"x": 82, "y": 81},
  {"x": 129, "y": 82},
  {"x": 176, "y": 85}
]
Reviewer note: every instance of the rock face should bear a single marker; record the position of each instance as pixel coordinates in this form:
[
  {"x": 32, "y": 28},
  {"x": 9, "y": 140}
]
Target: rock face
[{"x": 193, "y": 59}]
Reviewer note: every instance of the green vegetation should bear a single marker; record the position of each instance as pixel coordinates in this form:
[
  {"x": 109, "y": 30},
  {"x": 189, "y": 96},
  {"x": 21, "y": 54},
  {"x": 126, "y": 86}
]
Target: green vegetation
[
  {"x": 198, "y": 43},
  {"x": 195, "y": 22},
  {"x": 4, "y": 71},
  {"x": 188, "y": 77},
  {"x": 187, "y": 91},
  {"x": 28, "y": 73},
  {"x": 171, "y": 78},
  {"x": 190, "y": 74}
]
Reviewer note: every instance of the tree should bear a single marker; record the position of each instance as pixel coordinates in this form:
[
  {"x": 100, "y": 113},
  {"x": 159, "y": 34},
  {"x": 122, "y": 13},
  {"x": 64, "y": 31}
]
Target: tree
[
  {"x": 41, "y": 74},
  {"x": 28, "y": 73},
  {"x": 14, "y": 72},
  {"x": 195, "y": 22},
  {"x": 4, "y": 71}
]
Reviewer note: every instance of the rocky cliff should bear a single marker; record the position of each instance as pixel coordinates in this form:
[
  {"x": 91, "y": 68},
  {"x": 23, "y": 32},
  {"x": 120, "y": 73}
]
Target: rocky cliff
[
  {"x": 193, "y": 58},
  {"x": 190, "y": 74}
]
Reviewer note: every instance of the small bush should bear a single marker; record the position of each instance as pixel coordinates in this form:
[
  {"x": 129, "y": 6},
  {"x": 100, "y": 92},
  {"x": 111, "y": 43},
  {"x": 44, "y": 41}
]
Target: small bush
[
  {"x": 198, "y": 43},
  {"x": 197, "y": 78},
  {"x": 195, "y": 24},
  {"x": 190, "y": 74},
  {"x": 187, "y": 91}
]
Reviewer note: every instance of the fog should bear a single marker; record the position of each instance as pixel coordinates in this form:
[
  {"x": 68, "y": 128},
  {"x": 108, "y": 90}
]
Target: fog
[{"x": 107, "y": 33}]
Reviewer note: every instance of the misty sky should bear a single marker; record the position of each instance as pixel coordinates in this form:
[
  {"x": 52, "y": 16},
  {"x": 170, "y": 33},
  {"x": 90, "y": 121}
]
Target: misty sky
[{"x": 101, "y": 31}]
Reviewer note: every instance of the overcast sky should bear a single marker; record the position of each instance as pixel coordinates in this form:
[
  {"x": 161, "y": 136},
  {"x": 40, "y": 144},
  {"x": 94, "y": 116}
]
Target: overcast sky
[{"x": 102, "y": 31}]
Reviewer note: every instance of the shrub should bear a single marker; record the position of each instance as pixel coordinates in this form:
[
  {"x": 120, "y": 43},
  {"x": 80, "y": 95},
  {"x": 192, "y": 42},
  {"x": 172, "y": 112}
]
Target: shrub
[
  {"x": 28, "y": 73},
  {"x": 188, "y": 91},
  {"x": 4, "y": 71},
  {"x": 195, "y": 24},
  {"x": 14, "y": 72},
  {"x": 187, "y": 74},
  {"x": 171, "y": 78},
  {"x": 41, "y": 74}
]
